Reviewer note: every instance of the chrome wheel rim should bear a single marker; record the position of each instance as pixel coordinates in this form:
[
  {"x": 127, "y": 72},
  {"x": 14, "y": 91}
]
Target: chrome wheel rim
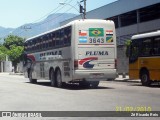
[{"x": 144, "y": 77}]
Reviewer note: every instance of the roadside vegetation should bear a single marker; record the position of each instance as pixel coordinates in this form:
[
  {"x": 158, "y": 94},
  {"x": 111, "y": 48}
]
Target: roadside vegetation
[
  {"x": 13, "y": 48},
  {"x": 127, "y": 44}
]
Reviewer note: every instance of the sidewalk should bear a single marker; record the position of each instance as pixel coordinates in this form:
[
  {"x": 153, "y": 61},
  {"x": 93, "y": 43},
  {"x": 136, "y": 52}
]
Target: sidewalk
[
  {"x": 10, "y": 73},
  {"x": 126, "y": 79}
]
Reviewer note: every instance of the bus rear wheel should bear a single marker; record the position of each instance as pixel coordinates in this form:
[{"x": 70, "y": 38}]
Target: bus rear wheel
[
  {"x": 94, "y": 84},
  {"x": 145, "y": 79},
  {"x": 58, "y": 79},
  {"x": 89, "y": 84},
  {"x": 31, "y": 79},
  {"x": 52, "y": 78}
]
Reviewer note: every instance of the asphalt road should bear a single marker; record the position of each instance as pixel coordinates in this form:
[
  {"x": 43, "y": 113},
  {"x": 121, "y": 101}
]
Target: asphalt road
[{"x": 17, "y": 94}]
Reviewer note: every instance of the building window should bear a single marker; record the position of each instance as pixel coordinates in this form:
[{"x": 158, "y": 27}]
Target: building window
[
  {"x": 150, "y": 13},
  {"x": 128, "y": 18}
]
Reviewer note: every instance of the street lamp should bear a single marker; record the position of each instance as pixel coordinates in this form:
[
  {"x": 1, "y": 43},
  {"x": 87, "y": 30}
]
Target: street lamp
[{"x": 62, "y": 3}]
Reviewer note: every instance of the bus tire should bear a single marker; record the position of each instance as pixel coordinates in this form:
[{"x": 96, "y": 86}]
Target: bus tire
[
  {"x": 94, "y": 84},
  {"x": 89, "y": 84},
  {"x": 31, "y": 80},
  {"x": 59, "y": 78},
  {"x": 84, "y": 84},
  {"x": 52, "y": 78},
  {"x": 145, "y": 79}
]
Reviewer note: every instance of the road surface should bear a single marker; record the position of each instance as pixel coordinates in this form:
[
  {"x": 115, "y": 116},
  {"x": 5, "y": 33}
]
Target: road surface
[{"x": 17, "y": 94}]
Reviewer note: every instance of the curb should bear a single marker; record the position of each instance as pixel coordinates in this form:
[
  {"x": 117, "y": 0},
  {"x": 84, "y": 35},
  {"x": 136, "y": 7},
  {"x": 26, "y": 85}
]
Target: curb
[{"x": 16, "y": 74}]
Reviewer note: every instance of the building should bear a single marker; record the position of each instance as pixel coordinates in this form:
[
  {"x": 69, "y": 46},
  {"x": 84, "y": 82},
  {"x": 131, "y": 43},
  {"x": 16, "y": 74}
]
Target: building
[{"x": 131, "y": 17}]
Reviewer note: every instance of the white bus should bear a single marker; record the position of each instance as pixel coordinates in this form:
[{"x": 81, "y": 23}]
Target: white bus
[{"x": 83, "y": 51}]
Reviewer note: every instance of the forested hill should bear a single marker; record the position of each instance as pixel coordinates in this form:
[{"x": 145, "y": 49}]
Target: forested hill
[{"x": 31, "y": 29}]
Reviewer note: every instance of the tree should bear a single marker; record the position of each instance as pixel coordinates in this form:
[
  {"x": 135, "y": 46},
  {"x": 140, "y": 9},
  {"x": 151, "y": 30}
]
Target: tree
[
  {"x": 2, "y": 56},
  {"x": 15, "y": 49},
  {"x": 3, "y": 53},
  {"x": 13, "y": 40},
  {"x": 15, "y": 55},
  {"x": 127, "y": 44}
]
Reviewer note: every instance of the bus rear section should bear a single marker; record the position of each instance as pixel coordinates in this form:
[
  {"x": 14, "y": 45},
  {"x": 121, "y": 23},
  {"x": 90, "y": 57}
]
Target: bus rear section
[{"x": 95, "y": 50}]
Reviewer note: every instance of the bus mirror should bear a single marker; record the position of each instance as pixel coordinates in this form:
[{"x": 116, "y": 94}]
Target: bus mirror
[{"x": 24, "y": 59}]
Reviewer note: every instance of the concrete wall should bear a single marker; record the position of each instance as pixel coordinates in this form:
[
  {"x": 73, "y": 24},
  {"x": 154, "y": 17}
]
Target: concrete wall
[
  {"x": 20, "y": 67},
  {"x": 6, "y": 66},
  {"x": 122, "y": 60}
]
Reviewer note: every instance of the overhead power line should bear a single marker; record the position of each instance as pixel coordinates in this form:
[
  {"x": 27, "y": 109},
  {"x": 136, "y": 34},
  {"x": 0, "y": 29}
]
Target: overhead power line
[
  {"x": 56, "y": 11},
  {"x": 48, "y": 13}
]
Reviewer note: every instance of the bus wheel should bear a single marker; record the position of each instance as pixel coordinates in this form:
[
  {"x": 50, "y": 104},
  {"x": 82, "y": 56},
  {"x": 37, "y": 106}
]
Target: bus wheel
[
  {"x": 84, "y": 84},
  {"x": 31, "y": 79},
  {"x": 58, "y": 79},
  {"x": 145, "y": 79},
  {"x": 52, "y": 79},
  {"x": 89, "y": 84},
  {"x": 94, "y": 84}
]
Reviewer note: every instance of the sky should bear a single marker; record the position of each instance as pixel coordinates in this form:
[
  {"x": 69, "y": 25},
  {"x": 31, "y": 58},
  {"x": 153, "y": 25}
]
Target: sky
[{"x": 14, "y": 13}]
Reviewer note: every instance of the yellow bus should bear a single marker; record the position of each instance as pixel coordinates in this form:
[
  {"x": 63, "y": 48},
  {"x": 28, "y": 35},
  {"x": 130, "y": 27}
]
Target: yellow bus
[{"x": 144, "y": 58}]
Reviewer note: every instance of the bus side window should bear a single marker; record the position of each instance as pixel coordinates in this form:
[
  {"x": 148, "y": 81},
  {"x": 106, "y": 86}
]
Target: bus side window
[
  {"x": 62, "y": 37},
  {"x": 53, "y": 39},
  {"x": 50, "y": 40},
  {"x": 43, "y": 42},
  {"x": 47, "y": 41},
  {"x": 134, "y": 51},
  {"x": 146, "y": 47},
  {"x": 67, "y": 36},
  {"x": 34, "y": 44},
  {"x": 57, "y": 38},
  {"x": 38, "y": 44},
  {"x": 157, "y": 45}
]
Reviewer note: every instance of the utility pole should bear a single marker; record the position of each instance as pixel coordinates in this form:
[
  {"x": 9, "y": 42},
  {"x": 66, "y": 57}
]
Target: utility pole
[{"x": 83, "y": 9}]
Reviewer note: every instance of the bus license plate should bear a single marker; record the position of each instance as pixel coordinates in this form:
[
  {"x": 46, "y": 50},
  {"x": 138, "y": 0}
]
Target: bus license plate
[{"x": 97, "y": 75}]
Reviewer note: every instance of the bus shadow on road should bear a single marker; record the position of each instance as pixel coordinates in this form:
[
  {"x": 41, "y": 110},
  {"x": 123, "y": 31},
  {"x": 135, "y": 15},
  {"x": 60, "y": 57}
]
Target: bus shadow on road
[
  {"x": 155, "y": 85},
  {"x": 132, "y": 82},
  {"x": 70, "y": 86},
  {"x": 77, "y": 87},
  {"x": 128, "y": 80}
]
